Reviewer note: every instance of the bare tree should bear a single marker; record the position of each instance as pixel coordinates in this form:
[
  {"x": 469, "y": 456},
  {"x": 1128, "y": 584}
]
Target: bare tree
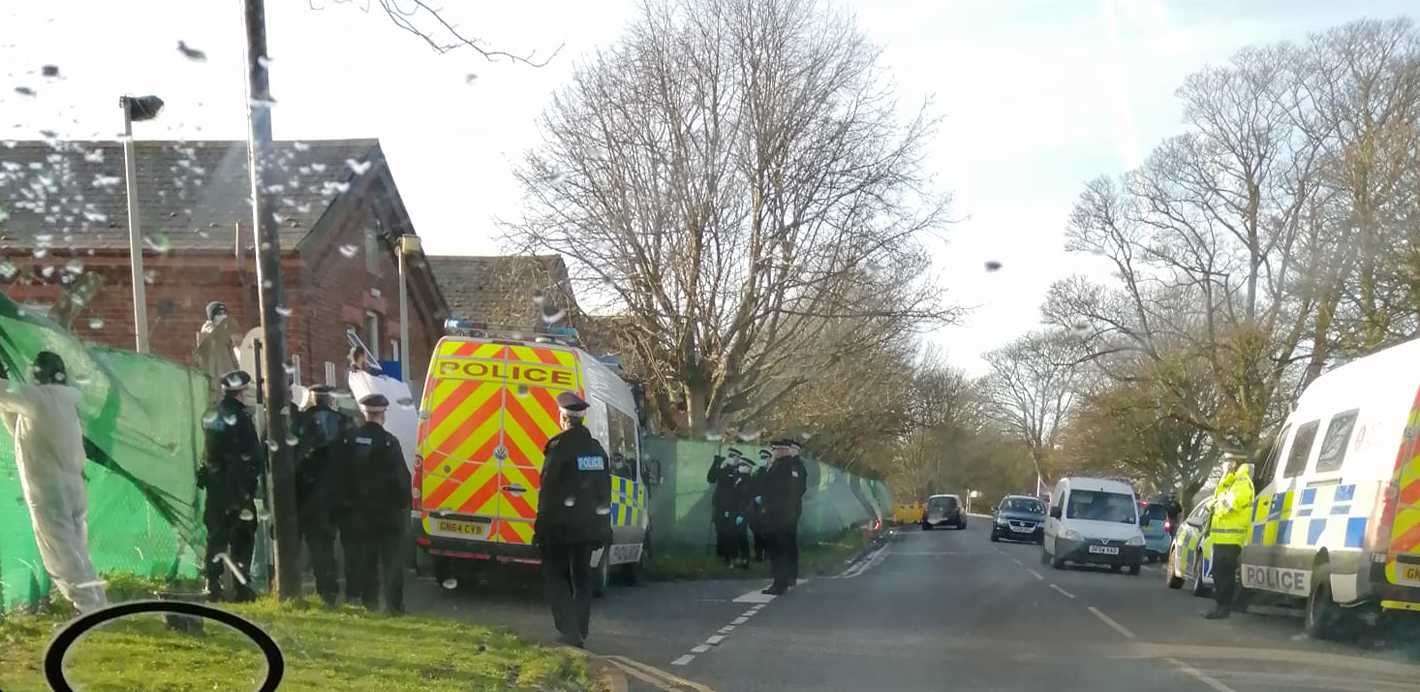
[
  {"x": 443, "y": 35},
  {"x": 1031, "y": 389},
  {"x": 734, "y": 181}
]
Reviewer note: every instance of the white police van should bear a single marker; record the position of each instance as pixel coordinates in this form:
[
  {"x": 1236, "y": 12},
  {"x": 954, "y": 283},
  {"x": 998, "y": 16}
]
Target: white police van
[{"x": 1336, "y": 520}]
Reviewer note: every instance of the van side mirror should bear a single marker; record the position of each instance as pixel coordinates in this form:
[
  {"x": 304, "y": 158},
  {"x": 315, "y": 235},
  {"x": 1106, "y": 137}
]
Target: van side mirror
[{"x": 1055, "y": 512}]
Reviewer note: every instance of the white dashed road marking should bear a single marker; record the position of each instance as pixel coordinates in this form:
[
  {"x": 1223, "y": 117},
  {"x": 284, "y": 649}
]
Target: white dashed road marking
[
  {"x": 683, "y": 660},
  {"x": 699, "y": 649},
  {"x": 1200, "y": 675},
  {"x": 740, "y": 620},
  {"x": 1035, "y": 574},
  {"x": 715, "y": 639},
  {"x": 1063, "y": 592},
  {"x": 1110, "y": 621}
]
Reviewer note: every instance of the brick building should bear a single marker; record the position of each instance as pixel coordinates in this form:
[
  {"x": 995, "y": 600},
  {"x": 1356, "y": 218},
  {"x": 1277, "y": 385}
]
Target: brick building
[{"x": 64, "y": 225}]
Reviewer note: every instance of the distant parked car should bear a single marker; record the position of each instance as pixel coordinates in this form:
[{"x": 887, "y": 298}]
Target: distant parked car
[
  {"x": 943, "y": 510},
  {"x": 1018, "y": 518},
  {"x": 1157, "y": 531},
  {"x": 1190, "y": 561}
]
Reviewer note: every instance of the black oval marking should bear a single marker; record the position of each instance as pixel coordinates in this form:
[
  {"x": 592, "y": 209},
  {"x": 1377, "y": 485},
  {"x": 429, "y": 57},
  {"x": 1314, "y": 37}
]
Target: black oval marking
[{"x": 67, "y": 637}]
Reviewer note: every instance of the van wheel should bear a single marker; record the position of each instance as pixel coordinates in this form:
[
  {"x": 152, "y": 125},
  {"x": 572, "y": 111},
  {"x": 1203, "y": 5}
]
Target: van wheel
[
  {"x": 1171, "y": 571},
  {"x": 601, "y": 575},
  {"x": 632, "y": 572},
  {"x": 1134, "y": 570},
  {"x": 1196, "y": 574},
  {"x": 1324, "y": 617}
]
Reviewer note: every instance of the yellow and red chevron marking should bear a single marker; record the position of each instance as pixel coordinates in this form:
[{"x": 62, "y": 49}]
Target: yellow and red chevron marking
[
  {"x": 459, "y": 436},
  {"x": 1405, "y": 527},
  {"x": 530, "y": 419}
]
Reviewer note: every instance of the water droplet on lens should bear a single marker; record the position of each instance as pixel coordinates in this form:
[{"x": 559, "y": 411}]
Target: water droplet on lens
[
  {"x": 74, "y": 266},
  {"x": 569, "y": 502},
  {"x": 96, "y": 323},
  {"x": 603, "y": 510},
  {"x": 82, "y": 380},
  {"x": 348, "y": 250},
  {"x": 291, "y": 441},
  {"x": 247, "y": 515},
  {"x": 273, "y": 445},
  {"x": 283, "y": 311},
  {"x": 230, "y": 419},
  {"x": 191, "y": 53},
  {"x": 7, "y": 271},
  {"x": 209, "y": 418}
]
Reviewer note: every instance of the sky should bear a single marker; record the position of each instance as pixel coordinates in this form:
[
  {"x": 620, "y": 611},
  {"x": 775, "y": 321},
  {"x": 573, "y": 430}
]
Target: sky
[{"x": 1036, "y": 97}]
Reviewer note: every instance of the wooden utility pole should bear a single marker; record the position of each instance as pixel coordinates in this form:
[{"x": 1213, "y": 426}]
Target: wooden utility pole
[{"x": 281, "y": 460}]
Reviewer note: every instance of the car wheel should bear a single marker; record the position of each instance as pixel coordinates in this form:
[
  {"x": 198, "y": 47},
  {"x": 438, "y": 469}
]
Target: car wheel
[
  {"x": 1116, "y": 568},
  {"x": 926, "y": 526},
  {"x": 1324, "y": 618},
  {"x": 994, "y": 538},
  {"x": 1171, "y": 577},
  {"x": 1057, "y": 562},
  {"x": 1134, "y": 570},
  {"x": 1196, "y": 575}
]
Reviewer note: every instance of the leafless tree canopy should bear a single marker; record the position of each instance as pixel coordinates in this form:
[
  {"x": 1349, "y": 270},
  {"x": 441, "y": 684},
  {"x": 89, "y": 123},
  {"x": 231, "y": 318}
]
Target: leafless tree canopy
[
  {"x": 734, "y": 178},
  {"x": 432, "y": 26},
  {"x": 1030, "y": 389},
  {"x": 1276, "y": 236}
]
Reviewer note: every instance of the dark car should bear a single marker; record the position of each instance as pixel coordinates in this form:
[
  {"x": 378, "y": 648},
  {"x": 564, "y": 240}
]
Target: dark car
[
  {"x": 1019, "y": 518},
  {"x": 943, "y": 510}
]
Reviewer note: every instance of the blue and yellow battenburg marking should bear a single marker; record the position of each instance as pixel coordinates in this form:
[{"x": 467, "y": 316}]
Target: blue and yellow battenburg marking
[
  {"x": 628, "y": 502},
  {"x": 1302, "y": 516}
]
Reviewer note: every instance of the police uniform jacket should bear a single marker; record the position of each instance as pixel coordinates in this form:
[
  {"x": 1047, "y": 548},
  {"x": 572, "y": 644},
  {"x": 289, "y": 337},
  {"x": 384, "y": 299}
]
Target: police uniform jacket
[
  {"x": 575, "y": 499},
  {"x": 234, "y": 458},
  {"x": 376, "y": 481},
  {"x": 782, "y": 486},
  {"x": 322, "y": 432}
]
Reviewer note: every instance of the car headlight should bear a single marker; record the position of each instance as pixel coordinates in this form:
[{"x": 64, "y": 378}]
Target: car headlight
[
  {"x": 1136, "y": 540},
  {"x": 1001, "y": 521},
  {"x": 1070, "y": 535}
]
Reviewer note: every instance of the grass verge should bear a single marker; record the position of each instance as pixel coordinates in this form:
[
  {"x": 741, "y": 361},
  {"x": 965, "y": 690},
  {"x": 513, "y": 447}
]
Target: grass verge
[
  {"x": 343, "y": 648},
  {"x": 822, "y": 558}
]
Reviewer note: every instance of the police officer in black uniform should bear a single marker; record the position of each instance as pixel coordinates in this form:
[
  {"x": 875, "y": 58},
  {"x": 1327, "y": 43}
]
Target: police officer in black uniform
[
  {"x": 756, "y": 505},
  {"x": 320, "y": 461},
  {"x": 234, "y": 462},
  {"x": 573, "y": 519},
  {"x": 727, "y": 503},
  {"x": 782, "y": 488},
  {"x": 377, "y": 500}
]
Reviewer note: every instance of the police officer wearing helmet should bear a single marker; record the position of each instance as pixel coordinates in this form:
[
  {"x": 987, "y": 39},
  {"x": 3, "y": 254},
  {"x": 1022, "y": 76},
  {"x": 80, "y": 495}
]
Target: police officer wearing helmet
[
  {"x": 782, "y": 487},
  {"x": 230, "y": 472},
  {"x": 320, "y": 459},
  {"x": 1232, "y": 515},
  {"x": 573, "y": 519},
  {"x": 756, "y": 505},
  {"x": 728, "y": 503},
  {"x": 377, "y": 499}
]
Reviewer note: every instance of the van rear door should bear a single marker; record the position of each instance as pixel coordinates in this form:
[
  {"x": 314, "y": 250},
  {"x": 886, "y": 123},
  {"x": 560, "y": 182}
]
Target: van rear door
[
  {"x": 536, "y": 374},
  {"x": 460, "y": 439}
]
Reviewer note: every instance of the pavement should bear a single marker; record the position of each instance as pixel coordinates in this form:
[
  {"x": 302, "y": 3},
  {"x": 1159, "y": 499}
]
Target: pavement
[{"x": 939, "y": 610}]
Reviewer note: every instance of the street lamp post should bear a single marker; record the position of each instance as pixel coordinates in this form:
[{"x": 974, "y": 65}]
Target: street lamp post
[
  {"x": 408, "y": 243},
  {"x": 136, "y": 109}
]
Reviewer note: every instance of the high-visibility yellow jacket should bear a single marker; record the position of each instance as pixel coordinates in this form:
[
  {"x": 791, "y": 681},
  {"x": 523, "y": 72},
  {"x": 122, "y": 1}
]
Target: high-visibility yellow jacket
[{"x": 1232, "y": 507}]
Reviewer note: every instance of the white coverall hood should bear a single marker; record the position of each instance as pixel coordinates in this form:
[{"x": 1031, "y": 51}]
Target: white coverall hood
[{"x": 49, "y": 450}]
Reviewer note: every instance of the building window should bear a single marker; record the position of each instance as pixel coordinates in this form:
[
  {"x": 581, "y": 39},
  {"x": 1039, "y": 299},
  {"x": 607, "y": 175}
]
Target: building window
[
  {"x": 296, "y": 367},
  {"x": 372, "y": 249},
  {"x": 372, "y": 334},
  {"x": 330, "y": 373},
  {"x": 394, "y": 349}
]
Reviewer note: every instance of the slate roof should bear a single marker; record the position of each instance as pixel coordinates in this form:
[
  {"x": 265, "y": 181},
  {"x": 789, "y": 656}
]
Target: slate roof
[
  {"x": 499, "y": 290},
  {"x": 191, "y": 193}
]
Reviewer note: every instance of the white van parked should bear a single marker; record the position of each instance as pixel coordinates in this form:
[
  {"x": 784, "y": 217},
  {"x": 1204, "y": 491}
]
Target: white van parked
[
  {"x": 1337, "y": 515},
  {"x": 1093, "y": 521}
]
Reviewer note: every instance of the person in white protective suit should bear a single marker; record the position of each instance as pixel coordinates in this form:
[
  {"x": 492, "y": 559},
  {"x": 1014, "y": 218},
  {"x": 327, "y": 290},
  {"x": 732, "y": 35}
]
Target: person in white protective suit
[{"x": 49, "y": 449}]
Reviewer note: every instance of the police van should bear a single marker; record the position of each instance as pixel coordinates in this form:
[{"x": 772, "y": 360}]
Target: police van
[
  {"x": 1336, "y": 520},
  {"x": 488, "y": 410}
]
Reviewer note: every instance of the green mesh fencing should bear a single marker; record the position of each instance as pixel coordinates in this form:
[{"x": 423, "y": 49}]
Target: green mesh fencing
[
  {"x": 142, "y": 419},
  {"x": 680, "y": 504}
]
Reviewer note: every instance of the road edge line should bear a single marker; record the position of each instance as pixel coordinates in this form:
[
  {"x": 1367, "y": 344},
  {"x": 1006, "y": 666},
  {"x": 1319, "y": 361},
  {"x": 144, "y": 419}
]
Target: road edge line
[
  {"x": 1199, "y": 675},
  {"x": 665, "y": 676},
  {"x": 1112, "y": 623}
]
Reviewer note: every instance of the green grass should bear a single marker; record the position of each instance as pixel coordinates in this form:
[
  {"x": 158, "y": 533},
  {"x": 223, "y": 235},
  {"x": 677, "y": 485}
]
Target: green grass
[
  {"x": 326, "y": 649},
  {"x": 815, "y": 559}
]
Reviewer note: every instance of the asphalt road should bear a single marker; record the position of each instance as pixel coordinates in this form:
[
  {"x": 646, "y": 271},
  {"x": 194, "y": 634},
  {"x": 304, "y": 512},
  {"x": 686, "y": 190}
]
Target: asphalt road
[{"x": 944, "y": 610}]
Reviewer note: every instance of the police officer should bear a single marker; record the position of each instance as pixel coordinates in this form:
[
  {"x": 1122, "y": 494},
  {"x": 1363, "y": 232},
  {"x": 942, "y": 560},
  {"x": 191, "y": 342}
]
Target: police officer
[
  {"x": 320, "y": 460},
  {"x": 782, "y": 488},
  {"x": 1232, "y": 514},
  {"x": 756, "y": 505},
  {"x": 377, "y": 499},
  {"x": 727, "y": 504},
  {"x": 230, "y": 472},
  {"x": 572, "y": 519}
]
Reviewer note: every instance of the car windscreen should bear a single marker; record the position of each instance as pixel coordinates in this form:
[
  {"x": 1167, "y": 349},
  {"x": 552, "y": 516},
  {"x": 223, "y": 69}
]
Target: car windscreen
[
  {"x": 1098, "y": 505},
  {"x": 1156, "y": 512},
  {"x": 1023, "y": 504},
  {"x": 942, "y": 504}
]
